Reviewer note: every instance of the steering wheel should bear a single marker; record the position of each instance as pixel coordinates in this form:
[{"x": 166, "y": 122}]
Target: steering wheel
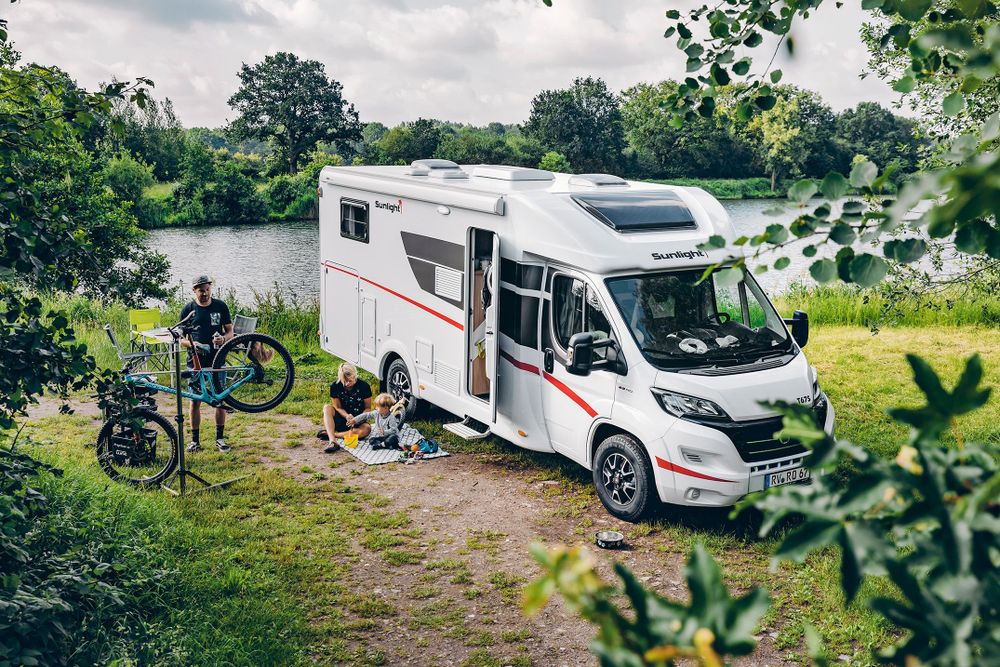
[{"x": 721, "y": 317}]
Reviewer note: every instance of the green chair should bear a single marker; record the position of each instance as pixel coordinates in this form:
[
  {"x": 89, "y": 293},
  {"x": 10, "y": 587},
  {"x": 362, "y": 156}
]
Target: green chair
[{"x": 144, "y": 319}]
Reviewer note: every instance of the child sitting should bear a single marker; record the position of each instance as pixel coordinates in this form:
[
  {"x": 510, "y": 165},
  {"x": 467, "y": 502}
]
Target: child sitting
[{"x": 385, "y": 430}]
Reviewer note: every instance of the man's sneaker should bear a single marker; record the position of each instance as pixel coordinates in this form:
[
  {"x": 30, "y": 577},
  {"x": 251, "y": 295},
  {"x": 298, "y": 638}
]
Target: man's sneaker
[
  {"x": 195, "y": 446},
  {"x": 221, "y": 445}
]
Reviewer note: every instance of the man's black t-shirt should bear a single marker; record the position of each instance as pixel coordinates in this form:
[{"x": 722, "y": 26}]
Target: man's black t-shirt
[
  {"x": 352, "y": 399},
  {"x": 208, "y": 320}
]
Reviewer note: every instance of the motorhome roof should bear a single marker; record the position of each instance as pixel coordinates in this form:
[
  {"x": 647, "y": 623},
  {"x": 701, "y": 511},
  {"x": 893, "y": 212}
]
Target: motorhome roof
[{"x": 569, "y": 214}]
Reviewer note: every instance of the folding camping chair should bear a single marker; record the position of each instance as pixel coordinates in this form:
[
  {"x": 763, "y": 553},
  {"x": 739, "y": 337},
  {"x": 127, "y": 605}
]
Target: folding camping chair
[
  {"x": 243, "y": 324},
  {"x": 144, "y": 319}
]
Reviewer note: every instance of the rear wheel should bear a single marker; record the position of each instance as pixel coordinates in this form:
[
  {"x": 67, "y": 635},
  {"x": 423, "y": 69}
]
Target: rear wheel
[
  {"x": 623, "y": 477},
  {"x": 399, "y": 385},
  {"x": 257, "y": 371},
  {"x": 139, "y": 449}
]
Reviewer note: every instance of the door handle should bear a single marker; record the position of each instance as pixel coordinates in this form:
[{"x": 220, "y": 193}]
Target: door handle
[{"x": 549, "y": 359}]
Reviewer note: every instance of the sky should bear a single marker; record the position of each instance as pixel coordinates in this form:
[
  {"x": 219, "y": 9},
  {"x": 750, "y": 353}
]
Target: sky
[{"x": 469, "y": 61}]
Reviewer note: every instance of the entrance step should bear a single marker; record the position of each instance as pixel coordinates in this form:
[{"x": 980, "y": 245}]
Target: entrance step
[{"x": 467, "y": 429}]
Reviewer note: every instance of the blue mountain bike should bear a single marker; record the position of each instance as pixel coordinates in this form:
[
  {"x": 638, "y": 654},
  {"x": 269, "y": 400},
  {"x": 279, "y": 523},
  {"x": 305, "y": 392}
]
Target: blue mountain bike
[{"x": 251, "y": 372}]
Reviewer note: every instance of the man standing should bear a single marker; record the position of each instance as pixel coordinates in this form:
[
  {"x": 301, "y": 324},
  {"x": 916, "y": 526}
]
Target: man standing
[{"x": 212, "y": 326}]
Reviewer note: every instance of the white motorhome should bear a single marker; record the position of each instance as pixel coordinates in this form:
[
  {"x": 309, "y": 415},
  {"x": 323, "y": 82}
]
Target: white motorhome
[{"x": 566, "y": 314}]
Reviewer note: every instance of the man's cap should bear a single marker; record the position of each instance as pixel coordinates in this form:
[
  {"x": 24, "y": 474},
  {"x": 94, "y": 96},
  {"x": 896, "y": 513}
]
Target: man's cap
[{"x": 201, "y": 280}]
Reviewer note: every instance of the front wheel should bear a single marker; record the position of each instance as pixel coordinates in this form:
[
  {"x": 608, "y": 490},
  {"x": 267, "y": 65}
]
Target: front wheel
[
  {"x": 623, "y": 477},
  {"x": 139, "y": 448},
  {"x": 256, "y": 371}
]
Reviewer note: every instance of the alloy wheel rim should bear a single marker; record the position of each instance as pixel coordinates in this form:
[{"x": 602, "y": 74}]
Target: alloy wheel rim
[
  {"x": 399, "y": 385},
  {"x": 618, "y": 476}
]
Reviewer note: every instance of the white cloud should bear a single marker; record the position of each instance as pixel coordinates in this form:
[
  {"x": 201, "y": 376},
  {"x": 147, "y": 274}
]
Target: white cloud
[{"x": 471, "y": 62}]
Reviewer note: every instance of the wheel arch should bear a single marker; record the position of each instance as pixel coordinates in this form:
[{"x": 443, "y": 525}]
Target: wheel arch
[
  {"x": 604, "y": 430},
  {"x": 392, "y": 351}
]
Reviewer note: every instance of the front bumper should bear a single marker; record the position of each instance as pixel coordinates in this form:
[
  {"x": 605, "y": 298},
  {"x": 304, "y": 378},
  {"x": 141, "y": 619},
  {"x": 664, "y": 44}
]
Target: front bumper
[{"x": 699, "y": 465}]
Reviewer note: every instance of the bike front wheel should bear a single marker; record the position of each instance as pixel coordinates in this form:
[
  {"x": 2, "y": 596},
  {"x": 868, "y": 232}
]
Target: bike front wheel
[
  {"x": 139, "y": 448},
  {"x": 253, "y": 371}
]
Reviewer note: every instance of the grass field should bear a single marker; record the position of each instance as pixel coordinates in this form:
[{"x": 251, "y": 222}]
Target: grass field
[{"x": 306, "y": 537}]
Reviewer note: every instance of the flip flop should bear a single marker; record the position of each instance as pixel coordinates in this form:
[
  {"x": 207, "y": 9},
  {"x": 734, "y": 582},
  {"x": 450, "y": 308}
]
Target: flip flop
[{"x": 322, "y": 435}]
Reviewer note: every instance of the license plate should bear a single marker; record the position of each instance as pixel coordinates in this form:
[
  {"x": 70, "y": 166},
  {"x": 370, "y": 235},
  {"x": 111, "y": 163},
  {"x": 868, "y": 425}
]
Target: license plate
[{"x": 789, "y": 476}]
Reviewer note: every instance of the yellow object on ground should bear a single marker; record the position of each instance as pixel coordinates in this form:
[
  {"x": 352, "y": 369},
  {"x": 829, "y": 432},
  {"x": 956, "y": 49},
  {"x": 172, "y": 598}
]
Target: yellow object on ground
[{"x": 351, "y": 440}]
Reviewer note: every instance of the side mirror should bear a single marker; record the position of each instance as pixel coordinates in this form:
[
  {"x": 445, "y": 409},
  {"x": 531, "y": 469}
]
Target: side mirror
[
  {"x": 580, "y": 355},
  {"x": 799, "y": 324}
]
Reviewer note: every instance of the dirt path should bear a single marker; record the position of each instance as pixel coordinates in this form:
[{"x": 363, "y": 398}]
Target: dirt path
[
  {"x": 475, "y": 514},
  {"x": 452, "y": 498}
]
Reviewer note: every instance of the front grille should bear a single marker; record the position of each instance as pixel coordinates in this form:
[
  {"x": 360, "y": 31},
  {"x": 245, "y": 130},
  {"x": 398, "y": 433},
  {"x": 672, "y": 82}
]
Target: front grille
[{"x": 755, "y": 439}]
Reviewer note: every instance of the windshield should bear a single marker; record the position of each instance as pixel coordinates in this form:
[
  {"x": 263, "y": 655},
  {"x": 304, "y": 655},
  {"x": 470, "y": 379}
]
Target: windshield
[{"x": 680, "y": 322}]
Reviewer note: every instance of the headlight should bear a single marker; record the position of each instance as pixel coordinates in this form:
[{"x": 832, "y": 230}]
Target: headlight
[
  {"x": 682, "y": 405},
  {"x": 817, "y": 392}
]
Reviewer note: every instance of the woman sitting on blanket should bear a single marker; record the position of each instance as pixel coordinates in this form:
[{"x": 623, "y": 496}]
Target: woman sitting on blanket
[
  {"x": 347, "y": 397},
  {"x": 385, "y": 431}
]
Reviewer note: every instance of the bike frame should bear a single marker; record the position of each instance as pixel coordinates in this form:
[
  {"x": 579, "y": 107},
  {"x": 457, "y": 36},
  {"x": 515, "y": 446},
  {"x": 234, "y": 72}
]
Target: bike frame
[{"x": 202, "y": 375}]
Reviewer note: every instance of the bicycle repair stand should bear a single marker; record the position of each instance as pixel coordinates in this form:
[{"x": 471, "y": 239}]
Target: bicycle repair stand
[{"x": 182, "y": 473}]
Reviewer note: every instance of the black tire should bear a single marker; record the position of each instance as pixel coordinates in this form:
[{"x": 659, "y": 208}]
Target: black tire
[
  {"x": 398, "y": 383},
  {"x": 271, "y": 380},
  {"x": 623, "y": 477},
  {"x": 146, "y": 473}
]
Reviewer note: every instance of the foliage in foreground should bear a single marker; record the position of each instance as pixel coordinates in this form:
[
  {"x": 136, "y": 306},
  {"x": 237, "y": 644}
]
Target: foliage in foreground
[
  {"x": 658, "y": 630},
  {"x": 928, "y": 521},
  {"x": 61, "y": 594}
]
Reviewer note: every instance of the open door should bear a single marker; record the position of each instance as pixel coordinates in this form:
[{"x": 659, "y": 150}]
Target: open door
[{"x": 492, "y": 333}]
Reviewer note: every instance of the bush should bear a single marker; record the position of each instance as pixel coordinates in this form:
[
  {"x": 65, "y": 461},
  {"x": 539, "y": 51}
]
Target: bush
[
  {"x": 61, "y": 598},
  {"x": 554, "y": 161},
  {"x": 127, "y": 177}
]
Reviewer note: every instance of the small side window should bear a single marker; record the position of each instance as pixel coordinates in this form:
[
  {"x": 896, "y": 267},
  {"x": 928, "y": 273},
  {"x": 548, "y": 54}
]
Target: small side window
[{"x": 354, "y": 220}]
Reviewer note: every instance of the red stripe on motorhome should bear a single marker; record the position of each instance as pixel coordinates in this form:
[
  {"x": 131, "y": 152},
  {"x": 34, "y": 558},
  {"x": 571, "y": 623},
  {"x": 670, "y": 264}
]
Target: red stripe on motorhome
[
  {"x": 572, "y": 394},
  {"x": 433, "y": 312},
  {"x": 556, "y": 383},
  {"x": 519, "y": 364},
  {"x": 667, "y": 465}
]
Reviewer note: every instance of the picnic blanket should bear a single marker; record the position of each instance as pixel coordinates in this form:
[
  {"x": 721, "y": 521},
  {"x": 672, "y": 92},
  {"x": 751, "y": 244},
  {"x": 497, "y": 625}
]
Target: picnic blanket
[{"x": 407, "y": 436}]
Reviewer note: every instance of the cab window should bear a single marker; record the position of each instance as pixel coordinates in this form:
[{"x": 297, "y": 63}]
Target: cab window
[{"x": 576, "y": 308}]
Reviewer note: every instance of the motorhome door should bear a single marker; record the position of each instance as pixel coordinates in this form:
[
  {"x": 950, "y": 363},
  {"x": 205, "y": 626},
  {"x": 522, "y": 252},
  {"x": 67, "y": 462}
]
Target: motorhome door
[
  {"x": 340, "y": 311},
  {"x": 571, "y": 402}
]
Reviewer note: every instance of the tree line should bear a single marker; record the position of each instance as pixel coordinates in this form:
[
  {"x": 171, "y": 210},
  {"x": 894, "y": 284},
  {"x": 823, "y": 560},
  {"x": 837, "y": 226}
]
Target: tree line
[{"x": 292, "y": 119}]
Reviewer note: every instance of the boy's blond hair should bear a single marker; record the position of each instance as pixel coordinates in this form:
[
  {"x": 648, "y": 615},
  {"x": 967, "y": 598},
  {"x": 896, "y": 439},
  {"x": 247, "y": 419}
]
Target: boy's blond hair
[{"x": 384, "y": 400}]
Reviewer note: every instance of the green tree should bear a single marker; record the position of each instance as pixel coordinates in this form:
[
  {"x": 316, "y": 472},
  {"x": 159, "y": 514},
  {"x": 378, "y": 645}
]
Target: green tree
[
  {"x": 151, "y": 133},
  {"x": 41, "y": 244},
  {"x": 469, "y": 145},
  {"x": 583, "y": 122},
  {"x": 555, "y": 162},
  {"x": 704, "y": 147},
  {"x": 292, "y": 103},
  {"x": 882, "y": 136},
  {"x": 780, "y": 138}
]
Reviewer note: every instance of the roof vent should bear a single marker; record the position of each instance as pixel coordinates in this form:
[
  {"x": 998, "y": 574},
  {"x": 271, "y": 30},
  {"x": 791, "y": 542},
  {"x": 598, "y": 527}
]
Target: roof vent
[
  {"x": 425, "y": 167},
  {"x": 447, "y": 173},
  {"x": 503, "y": 173},
  {"x": 596, "y": 180}
]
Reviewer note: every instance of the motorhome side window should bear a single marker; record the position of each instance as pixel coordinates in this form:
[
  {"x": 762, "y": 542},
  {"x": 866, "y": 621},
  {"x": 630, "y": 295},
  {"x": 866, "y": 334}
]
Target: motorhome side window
[
  {"x": 576, "y": 308},
  {"x": 354, "y": 220}
]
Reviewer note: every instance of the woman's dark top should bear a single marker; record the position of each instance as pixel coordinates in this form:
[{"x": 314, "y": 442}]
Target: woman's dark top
[{"x": 353, "y": 399}]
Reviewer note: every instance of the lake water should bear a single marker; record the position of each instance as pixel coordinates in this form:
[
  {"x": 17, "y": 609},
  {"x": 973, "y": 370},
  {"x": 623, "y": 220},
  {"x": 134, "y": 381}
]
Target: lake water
[{"x": 244, "y": 258}]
